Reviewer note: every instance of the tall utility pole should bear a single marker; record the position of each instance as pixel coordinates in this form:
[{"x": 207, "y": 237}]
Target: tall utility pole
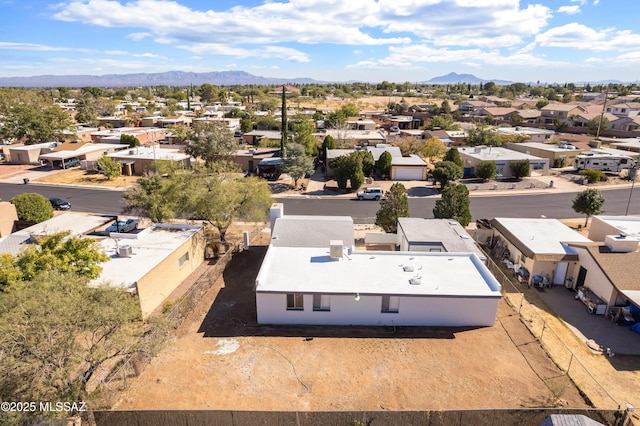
[{"x": 284, "y": 134}]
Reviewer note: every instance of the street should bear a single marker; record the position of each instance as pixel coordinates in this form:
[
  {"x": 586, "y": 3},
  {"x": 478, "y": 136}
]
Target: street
[{"x": 536, "y": 204}]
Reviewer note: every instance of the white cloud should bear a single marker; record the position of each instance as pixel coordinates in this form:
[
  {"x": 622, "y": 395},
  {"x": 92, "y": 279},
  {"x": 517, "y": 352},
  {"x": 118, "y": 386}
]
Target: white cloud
[
  {"x": 570, "y": 10},
  {"x": 579, "y": 36},
  {"x": 138, "y": 36}
]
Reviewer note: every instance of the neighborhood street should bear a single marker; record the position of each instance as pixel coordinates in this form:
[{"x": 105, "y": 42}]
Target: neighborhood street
[{"x": 534, "y": 204}]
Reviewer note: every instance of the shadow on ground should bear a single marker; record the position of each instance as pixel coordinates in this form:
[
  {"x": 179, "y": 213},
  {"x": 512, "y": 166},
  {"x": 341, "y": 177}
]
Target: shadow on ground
[{"x": 233, "y": 312}]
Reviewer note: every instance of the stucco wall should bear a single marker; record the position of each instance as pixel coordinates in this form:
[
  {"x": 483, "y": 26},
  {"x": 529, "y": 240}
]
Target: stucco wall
[
  {"x": 8, "y": 215},
  {"x": 413, "y": 311},
  {"x": 596, "y": 280},
  {"x": 158, "y": 284}
]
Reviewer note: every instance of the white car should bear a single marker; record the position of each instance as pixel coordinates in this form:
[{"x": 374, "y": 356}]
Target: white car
[{"x": 370, "y": 194}]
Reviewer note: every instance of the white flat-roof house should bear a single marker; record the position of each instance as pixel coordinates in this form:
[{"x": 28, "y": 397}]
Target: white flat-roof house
[
  {"x": 472, "y": 156},
  {"x": 535, "y": 134},
  {"x": 335, "y": 285},
  {"x": 540, "y": 245}
]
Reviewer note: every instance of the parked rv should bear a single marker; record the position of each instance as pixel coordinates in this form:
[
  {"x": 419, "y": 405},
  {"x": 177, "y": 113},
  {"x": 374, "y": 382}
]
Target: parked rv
[{"x": 604, "y": 162}]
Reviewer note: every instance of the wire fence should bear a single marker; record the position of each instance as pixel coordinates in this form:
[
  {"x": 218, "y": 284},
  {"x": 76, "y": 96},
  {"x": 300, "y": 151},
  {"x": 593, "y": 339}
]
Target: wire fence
[{"x": 565, "y": 359}]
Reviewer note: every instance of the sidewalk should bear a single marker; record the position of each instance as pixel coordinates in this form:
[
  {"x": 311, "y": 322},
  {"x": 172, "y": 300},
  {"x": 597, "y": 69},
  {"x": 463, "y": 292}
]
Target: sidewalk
[{"x": 319, "y": 187}]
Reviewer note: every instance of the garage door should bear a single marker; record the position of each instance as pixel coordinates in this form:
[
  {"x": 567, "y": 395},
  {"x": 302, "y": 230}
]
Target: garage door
[{"x": 408, "y": 173}]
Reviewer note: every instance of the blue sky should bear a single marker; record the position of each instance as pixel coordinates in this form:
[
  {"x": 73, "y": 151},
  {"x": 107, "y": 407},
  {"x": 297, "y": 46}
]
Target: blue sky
[{"x": 329, "y": 40}]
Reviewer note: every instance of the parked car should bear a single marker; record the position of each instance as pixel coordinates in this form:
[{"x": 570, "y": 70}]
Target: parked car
[
  {"x": 370, "y": 194},
  {"x": 60, "y": 204},
  {"x": 70, "y": 162},
  {"x": 123, "y": 226}
]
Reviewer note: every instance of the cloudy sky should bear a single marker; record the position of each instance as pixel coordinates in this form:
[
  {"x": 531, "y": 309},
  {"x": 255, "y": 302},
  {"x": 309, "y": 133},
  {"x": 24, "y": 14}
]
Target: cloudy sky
[{"x": 329, "y": 40}]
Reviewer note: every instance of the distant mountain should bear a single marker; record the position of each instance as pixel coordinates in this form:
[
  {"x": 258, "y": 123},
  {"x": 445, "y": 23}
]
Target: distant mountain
[
  {"x": 169, "y": 78},
  {"x": 453, "y": 78}
]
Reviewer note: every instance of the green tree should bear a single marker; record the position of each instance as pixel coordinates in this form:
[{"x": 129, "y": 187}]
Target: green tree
[
  {"x": 394, "y": 204},
  {"x": 520, "y": 168},
  {"x": 9, "y": 272},
  {"x": 246, "y": 125},
  {"x": 130, "y": 140},
  {"x": 110, "y": 167},
  {"x": 284, "y": 129},
  {"x": 598, "y": 123},
  {"x": 218, "y": 195},
  {"x": 384, "y": 163},
  {"x": 32, "y": 207},
  {"x": 297, "y": 164},
  {"x": 211, "y": 142},
  {"x": 482, "y": 135},
  {"x": 62, "y": 253},
  {"x": 343, "y": 168},
  {"x": 434, "y": 148},
  {"x": 208, "y": 93},
  {"x": 443, "y": 122},
  {"x": 589, "y": 203},
  {"x": 486, "y": 169},
  {"x": 454, "y": 204},
  {"x": 368, "y": 163},
  {"x": 453, "y": 155},
  {"x": 446, "y": 171},
  {"x": 302, "y": 133},
  {"x": 516, "y": 119},
  {"x": 541, "y": 104},
  {"x": 357, "y": 176},
  {"x": 56, "y": 333},
  {"x": 31, "y": 116},
  {"x": 350, "y": 110}
]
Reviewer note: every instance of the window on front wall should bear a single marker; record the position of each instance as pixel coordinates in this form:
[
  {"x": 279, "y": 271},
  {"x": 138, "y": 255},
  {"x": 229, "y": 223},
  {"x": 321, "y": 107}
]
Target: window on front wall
[
  {"x": 390, "y": 304},
  {"x": 321, "y": 302},
  {"x": 183, "y": 259},
  {"x": 295, "y": 302}
]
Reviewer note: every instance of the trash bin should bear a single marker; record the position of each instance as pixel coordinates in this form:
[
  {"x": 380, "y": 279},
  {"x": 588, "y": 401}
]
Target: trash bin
[
  {"x": 25, "y": 180},
  {"x": 551, "y": 183}
]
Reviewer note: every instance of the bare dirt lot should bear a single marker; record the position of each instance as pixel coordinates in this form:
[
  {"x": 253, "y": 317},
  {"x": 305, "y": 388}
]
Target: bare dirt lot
[
  {"x": 222, "y": 359},
  {"x": 84, "y": 177}
]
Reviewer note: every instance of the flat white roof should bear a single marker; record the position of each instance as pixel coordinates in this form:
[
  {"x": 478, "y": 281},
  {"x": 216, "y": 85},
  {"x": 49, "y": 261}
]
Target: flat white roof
[
  {"x": 497, "y": 153},
  {"x": 151, "y": 247},
  {"x": 524, "y": 131},
  {"x": 547, "y": 147},
  {"x": 85, "y": 149},
  {"x": 630, "y": 225},
  {"x": 310, "y": 270},
  {"x": 149, "y": 153},
  {"x": 542, "y": 235}
]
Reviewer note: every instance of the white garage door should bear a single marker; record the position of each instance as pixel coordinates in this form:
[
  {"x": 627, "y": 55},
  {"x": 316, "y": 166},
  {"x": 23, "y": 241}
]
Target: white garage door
[{"x": 408, "y": 173}]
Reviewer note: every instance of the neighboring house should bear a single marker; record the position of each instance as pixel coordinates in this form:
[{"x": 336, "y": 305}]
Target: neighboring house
[
  {"x": 473, "y": 107},
  {"x": 583, "y": 119},
  {"x": 559, "y": 111},
  {"x": 529, "y": 116},
  {"x": 503, "y": 157},
  {"x": 626, "y": 124},
  {"x": 75, "y": 153},
  {"x": 498, "y": 113},
  {"x": 617, "y": 152},
  {"x": 248, "y": 159},
  {"x": 334, "y": 285},
  {"x": 629, "y": 144},
  {"x": 141, "y": 159},
  {"x": 354, "y": 137},
  {"x": 144, "y": 134},
  {"x": 404, "y": 122},
  {"x": 30, "y": 154},
  {"x": 152, "y": 263},
  {"x": 113, "y": 122},
  {"x": 436, "y": 235},
  {"x": 609, "y": 269},
  {"x": 408, "y": 168},
  {"x": 624, "y": 109},
  {"x": 549, "y": 151},
  {"x": 533, "y": 133},
  {"x": 266, "y": 137},
  {"x": 359, "y": 123},
  {"x": 603, "y": 225},
  {"x": 376, "y": 151},
  {"x": 540, "y": 245},
  {"x": 593, "y": 96}
]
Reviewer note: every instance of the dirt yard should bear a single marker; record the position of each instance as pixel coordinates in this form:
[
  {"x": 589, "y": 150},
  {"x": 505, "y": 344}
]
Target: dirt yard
[
  {"x": 84, "y": 177},
  {"x": 222, "y": 359}
]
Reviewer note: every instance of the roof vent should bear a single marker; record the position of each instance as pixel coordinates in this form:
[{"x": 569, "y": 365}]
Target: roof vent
[
  {"x": 407, "y": 268},
  {"x": 415, "y": 281},
  {"x": 621, "y": 243},
  {"x": 335, "y": 249}
]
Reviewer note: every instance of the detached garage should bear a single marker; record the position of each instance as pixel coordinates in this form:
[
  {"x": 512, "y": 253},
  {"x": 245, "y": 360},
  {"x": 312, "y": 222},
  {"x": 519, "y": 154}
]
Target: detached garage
[{"x": 408, "y": 168}]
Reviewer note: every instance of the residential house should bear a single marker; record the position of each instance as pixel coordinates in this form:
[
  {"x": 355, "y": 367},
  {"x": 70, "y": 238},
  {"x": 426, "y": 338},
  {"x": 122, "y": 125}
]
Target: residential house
[
  {"x": 144, "y": 159},
  {"x": 263, "y": 137},
  {"x": 562, "y": 112},
  {"x": 75, "y": 153},
  {"x": 583, "y": 119},
  {"x": 334, "y": 285},
  {"x": 436, "y": 235},
  {"x": 249, "y": 158},
  {"x": 540, "y": 245},
  {"x": 472, "y": 156},
  {"x": 473, "y": 107},
  {"x": 533, "y": 134},
  {"x": 496, "y": 112},
  {"x": 624, "y": 109},
  {"x": 30, "y": 154},
  {"x": 360, "y": 123},
  {"x": 626, "y": 144},
  {"x": 529, "y": 116},
  {"x": 145, "y": 135},
  {"x": 629, "y": 123},
  {"x": 554, "y": 153}
]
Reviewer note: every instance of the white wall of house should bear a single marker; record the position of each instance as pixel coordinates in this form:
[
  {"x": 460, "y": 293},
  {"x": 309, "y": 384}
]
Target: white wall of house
[
  {"x": 412, "y": 311},
  {"x": 595, "y": 279}
]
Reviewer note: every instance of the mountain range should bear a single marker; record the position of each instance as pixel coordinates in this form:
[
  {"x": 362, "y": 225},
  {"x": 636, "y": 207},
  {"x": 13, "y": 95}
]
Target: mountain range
[{"x": 216, "y": 78}]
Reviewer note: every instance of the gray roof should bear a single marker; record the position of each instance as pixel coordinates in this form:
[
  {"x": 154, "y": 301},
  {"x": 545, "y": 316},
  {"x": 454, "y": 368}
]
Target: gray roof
[
  {"x": 445, "y": 231},
  {"x": 312, "y": 231}
]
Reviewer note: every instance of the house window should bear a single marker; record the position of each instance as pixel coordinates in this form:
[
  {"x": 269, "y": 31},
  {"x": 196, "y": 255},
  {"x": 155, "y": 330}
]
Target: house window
[
  {"x": 295, "y": 302},
  {"x": 183, "y": 259},
  {"x": 321, "y": 302},
  {"x": 390, "y": 304}
]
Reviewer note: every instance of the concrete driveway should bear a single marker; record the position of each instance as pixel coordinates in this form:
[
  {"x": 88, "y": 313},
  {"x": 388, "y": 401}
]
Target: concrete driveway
[{"x": 587, "y": 326}]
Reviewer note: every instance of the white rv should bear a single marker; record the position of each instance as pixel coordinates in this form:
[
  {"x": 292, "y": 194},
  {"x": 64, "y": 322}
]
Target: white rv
[{"x": 604, "y": 162}]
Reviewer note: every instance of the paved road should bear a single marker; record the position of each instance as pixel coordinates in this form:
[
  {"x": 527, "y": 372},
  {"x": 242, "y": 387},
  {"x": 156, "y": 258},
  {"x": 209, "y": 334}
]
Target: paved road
[{"x": 103, "y": 201}]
